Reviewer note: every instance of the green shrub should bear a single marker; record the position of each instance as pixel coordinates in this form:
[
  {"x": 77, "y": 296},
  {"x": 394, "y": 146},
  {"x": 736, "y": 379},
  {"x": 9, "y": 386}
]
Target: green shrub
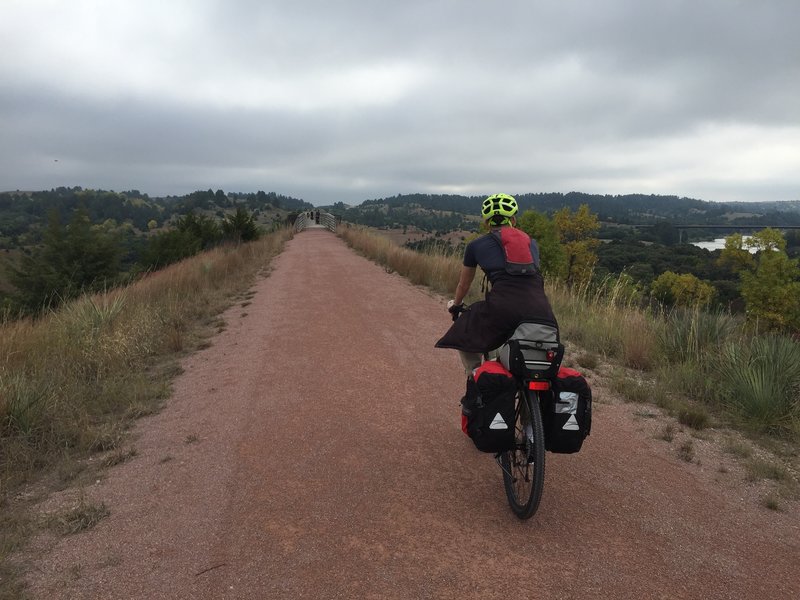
[
  {"x": 758, "y": 469},
  {"x": 695, "y": 417},
  {"x": 691, "y": 379}
]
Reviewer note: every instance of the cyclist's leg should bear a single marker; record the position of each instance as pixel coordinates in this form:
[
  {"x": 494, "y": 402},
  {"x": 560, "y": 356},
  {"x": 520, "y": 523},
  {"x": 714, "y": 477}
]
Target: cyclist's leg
[{"x": 470, "y": 360}]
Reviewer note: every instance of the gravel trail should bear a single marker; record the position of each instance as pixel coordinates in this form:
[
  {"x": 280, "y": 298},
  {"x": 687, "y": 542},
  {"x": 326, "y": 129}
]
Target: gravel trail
[{"x": 314, "y": 451}]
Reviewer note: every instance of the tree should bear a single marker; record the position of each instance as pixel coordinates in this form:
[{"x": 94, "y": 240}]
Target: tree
[
  {"x": 735, "y": 255},
  {"x": 576, "y": 232},
  {"x": 204, "y": 228},
  {"x": 682, "y": 290},
  {"x": 770, "y": 280},
  {"x": 71, "y": 260},
  {"x": 167, "y": 247},
  {"x": 240, "y": 226},
  {"x": 543, "y": 230}
]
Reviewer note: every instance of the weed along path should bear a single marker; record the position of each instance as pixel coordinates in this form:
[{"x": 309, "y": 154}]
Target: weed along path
[{"x": 314, "y": 451}]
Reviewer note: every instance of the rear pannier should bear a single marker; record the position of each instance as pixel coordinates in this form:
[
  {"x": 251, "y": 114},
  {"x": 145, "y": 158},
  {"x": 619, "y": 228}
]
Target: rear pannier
[
  {"x": 533, "y": 351},
  {"x": 567, "y": 412},
  {"x": 487, "y": 409}
]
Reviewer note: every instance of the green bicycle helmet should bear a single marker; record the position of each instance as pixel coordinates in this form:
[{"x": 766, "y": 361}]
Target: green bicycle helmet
[{"x": 499, "y": 205}]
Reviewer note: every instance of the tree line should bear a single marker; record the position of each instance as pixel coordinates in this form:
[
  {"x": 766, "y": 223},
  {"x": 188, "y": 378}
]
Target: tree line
[
  {"x": 24, "y": 215},
  {"x": 628, "y": 209},
  {"x": 62, "y": 242}
]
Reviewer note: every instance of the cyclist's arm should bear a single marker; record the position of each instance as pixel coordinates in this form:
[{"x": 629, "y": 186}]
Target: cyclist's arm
[{"x": 464, "y": 281}]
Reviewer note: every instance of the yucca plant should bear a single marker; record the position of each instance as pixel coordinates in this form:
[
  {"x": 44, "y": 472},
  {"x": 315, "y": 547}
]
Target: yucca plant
[
  {"x": 688, "y": 334},
  {"x": 760, "y": 381}
]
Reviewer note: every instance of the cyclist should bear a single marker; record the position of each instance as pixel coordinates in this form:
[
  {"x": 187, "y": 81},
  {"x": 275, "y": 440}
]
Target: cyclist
[{"x": 516, "y": 288}]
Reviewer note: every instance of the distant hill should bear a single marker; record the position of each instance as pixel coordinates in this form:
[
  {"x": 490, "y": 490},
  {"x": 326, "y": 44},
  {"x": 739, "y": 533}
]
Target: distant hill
[
  {"x": 23, "y": 214},
  {"x": 446, "y": 212}
]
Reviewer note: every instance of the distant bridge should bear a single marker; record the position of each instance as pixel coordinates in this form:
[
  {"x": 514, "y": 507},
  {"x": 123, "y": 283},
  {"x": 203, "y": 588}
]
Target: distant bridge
[
  {"x": 315, "y": 219},
  {"x": 681, "y": 228}
]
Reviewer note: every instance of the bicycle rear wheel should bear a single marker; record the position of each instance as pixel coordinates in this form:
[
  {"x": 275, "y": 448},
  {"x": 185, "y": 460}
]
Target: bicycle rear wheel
[{"x": 523, "y": 466}]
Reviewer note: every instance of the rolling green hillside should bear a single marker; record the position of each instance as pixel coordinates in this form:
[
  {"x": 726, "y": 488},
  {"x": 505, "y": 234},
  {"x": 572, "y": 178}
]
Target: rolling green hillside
[{"x": 447, "y": 212}]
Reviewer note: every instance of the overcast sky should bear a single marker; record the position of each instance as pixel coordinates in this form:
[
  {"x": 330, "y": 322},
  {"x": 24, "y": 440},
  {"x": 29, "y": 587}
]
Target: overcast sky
[{"x": 331, "y": 100}]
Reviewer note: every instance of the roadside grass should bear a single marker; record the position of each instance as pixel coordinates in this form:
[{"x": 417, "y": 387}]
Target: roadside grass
[
  {"x": 587, "y": 360},
  {"x": 738, "y": 449},
  {"x": 434, "y": 271},
  {"x": 758, "y": 469},
  {"x": 76, "y": 519},
  {"x": 604, "y": 319},
  {"x": 73, "y": 381},
  {"x": 694, "y": 416}
]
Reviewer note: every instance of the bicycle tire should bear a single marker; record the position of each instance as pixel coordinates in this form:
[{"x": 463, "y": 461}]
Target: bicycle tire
[{"x": 523, "y": 466}]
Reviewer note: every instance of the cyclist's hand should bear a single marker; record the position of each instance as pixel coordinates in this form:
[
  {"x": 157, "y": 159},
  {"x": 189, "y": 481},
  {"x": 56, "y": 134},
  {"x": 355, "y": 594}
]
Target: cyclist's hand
[{"x": 455, "y": 309}]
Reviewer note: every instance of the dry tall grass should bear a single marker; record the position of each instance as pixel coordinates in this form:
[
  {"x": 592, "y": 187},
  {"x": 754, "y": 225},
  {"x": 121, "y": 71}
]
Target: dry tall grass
[
  {"x": 70, "y": 381},
  {"x": 436, "y": 271},
  {"x": 605, "y": 318}
]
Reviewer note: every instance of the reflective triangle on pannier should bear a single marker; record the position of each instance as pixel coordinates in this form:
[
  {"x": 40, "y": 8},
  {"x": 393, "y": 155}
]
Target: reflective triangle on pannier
[
  {"x": 571, "y": 424},
  {"x": 499, "y": 423}
]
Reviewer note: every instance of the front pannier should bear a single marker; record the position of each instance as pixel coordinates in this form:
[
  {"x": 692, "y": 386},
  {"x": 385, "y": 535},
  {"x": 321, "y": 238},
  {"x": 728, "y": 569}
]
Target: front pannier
[
  {"x": 533, "y": 351},
  {"x": 487, "y": 409},
  {"x": 567, "y": 413}
]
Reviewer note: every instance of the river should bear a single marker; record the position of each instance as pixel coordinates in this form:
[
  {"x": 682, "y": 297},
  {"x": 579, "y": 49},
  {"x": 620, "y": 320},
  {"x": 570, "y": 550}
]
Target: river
[{"x": 719, "y": 244}]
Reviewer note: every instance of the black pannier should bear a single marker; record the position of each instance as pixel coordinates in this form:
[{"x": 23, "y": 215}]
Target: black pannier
[
  {"x": 487, "y": 409},
  {"x": 567, "y": 413}
]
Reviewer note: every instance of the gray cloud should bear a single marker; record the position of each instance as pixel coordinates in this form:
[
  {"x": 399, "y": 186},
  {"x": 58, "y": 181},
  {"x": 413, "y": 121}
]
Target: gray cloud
[{"x": 352, "y": 100}]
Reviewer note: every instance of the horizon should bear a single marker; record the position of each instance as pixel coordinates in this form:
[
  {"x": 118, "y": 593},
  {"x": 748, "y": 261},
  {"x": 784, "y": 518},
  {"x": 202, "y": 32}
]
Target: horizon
[{"x": 386, "y": 197}]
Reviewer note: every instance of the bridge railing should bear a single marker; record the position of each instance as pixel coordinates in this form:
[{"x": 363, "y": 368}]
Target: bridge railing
[
  {"x": 301, "y": 222},
  {"x": 327, "y": 220}
]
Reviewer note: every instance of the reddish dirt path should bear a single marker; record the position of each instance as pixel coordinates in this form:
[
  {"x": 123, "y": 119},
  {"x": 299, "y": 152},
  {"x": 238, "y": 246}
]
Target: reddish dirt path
[{"x": 329, "y": 464}]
